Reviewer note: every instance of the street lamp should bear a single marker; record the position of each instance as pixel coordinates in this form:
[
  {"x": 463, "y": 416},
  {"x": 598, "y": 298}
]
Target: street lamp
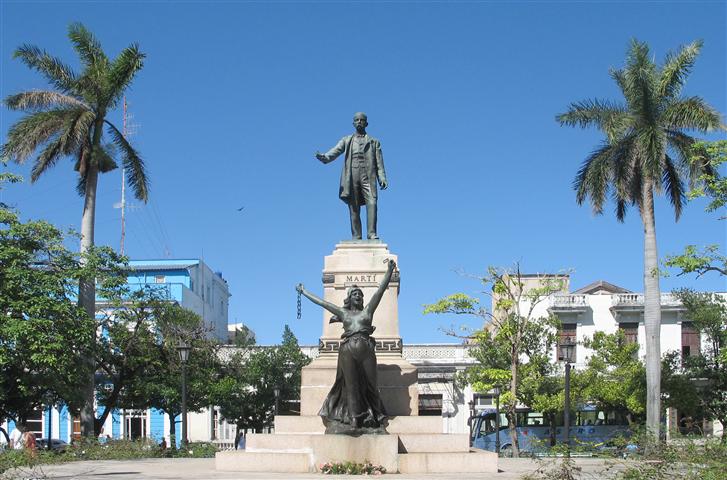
[
  {"x": 496, "y": 391},
  {"x": 183, "y": 348},
  {"x": 276, "y": 393},
  {"x": 567, "y": 351}
]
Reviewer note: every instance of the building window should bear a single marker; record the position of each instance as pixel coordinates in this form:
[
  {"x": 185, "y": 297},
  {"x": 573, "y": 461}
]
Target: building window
[
  {"x": 690, "y": 340},
  {"x": 631, "y": 332},
  {"x": 430, "y": 404},
  {"x": 567, "y": 342},
  {"x": 135, "y": 426},
  {"x": 160, "y": 279}
]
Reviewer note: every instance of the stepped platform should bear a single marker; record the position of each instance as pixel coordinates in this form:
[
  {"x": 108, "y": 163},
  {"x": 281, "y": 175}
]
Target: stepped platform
[{"x": 414, "y": 445}]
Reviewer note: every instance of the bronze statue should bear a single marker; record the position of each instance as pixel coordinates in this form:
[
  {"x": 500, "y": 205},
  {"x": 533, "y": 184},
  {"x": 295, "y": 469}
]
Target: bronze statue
[
  {"x": 362, "y": 168},
  {"x": 353, "y": 406}
]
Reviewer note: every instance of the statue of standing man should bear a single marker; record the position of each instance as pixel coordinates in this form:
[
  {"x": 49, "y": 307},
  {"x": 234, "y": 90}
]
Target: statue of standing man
[{"x": 362, "y": 168}]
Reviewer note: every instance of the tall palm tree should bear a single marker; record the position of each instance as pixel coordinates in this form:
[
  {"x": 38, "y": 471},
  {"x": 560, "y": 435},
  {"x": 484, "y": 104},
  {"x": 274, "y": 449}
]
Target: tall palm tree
[
  {"x": 70, "y": 121},
  {"x": 646, "y": 151}
]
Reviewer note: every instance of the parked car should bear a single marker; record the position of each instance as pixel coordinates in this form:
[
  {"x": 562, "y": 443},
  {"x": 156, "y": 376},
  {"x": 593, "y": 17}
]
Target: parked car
[{"x": 56, "y": 445}]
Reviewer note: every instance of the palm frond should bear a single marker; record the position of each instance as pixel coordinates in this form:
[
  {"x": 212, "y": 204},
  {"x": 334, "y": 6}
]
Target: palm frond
[
  {"x": 47, "y": 158},
  {"x": 640, "y": 82},
  {"x": 681, "y": 145},
  {"x": 674, "y": 186},
  {"x": 32, "y": 131},
  {"x": 591, "y": 179},
  {"x": 676, "y": 69},
  {"x": 87, "y": 46},
  {"x": 37, "y": 100},
  {"x": 122, "y": 72},
  {"x": 53, "y": 69},
  {"x": 622, "y": 169},
  {"x": 637, "y": 185},
  {"x": 650, "y": 149},
  {"x": 691, "y": 113},
  {"x": 618, "y": 76},
  {"x": 77, "y": 132},
  {"x": 81, "y": 186},
  {"x": 134, "y": 165},
  {"x": 67, "y": 142},
  {"x": 610, "y": 117},
  {"x": 106, "y": 161}
]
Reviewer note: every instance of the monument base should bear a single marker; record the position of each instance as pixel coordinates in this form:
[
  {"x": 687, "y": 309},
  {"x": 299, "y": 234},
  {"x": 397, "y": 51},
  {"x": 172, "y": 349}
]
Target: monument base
[{"x": 423, "y": 452}]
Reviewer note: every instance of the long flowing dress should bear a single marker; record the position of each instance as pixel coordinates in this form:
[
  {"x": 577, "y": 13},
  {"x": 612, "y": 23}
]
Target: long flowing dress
[{"x": 353, "y": 406}]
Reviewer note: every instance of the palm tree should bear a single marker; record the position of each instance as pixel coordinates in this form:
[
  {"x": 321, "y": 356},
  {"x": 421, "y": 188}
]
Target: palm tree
[
  {"x": 646, "y": 151},
  {"x": 70, "y": 121}
]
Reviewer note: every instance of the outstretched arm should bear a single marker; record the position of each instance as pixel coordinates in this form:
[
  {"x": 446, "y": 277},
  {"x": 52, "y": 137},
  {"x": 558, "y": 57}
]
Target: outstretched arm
[
  {"x": 336, "y": 310},
  {"x": 333, "y": 153},
  {"x": 376, "y": 298}
]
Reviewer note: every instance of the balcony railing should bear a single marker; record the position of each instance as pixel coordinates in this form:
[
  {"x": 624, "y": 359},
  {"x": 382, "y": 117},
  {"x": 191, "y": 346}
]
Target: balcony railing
[
  {"x": 637, "y": 300},
  {"x": 568, "y": 301}
]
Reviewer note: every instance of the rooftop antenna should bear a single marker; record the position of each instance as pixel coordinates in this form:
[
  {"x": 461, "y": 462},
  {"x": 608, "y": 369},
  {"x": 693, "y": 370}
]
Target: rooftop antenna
[{"x": 127, "y": 130}]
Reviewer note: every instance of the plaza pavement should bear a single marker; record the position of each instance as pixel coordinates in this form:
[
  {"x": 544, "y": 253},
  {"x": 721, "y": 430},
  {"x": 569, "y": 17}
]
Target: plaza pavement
[{"x": 204, "y": 468}]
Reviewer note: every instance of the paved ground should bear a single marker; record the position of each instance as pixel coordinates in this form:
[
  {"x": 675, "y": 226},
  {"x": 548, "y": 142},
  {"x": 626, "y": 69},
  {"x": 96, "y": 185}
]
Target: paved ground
[{"x": 201, "y": 469}]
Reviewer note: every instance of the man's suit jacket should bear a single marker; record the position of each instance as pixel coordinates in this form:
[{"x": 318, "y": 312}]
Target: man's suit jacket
[{"x": 374, "y": 164}]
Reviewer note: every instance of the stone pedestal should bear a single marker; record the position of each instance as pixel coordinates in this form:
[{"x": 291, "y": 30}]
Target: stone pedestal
[
  {"x": 402, "y": 453},
  {"x": 362, "y": 263}
]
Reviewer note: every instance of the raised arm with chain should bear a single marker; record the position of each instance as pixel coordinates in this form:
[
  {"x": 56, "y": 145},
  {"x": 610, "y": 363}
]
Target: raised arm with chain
[{"x": 334, "y": 309}]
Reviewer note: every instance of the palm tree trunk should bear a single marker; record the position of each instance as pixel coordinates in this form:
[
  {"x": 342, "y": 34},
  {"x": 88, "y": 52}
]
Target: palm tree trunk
[
  {"x": 87, "y": 286},
  {"x": 652, "y": 314}
]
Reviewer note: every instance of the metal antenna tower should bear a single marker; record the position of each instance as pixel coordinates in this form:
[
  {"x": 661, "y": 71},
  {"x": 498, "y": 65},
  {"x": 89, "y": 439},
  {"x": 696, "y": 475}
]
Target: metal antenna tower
[{"x": 128, "y": 129}]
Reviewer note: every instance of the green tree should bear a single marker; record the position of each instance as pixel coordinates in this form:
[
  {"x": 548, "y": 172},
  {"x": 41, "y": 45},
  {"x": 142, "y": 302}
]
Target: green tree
[
  {"x": 69, "y": 121},
  {"x": 44, "y": 335},
  {"x": 514, "y": 346},
  {"x": 131, "y": 349},
  {"x": 708, "y": 258},
  {"x": 615, "y": 377},
  {"x": 159, "y": 385},
  {"x": 244, "y": 391},
  {"x": 708, "y": 313},
  {"x": 645, "y": 151}
]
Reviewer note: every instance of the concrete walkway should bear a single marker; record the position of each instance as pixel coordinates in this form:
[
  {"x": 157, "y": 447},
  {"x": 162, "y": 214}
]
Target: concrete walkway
[{"x": 204, "y": 468}]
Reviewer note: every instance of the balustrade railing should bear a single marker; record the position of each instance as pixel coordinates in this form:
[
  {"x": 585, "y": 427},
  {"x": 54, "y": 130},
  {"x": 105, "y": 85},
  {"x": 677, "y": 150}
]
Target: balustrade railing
[
  {"x": 568, "y": 301},
  {"x": 637, "y": 299}
]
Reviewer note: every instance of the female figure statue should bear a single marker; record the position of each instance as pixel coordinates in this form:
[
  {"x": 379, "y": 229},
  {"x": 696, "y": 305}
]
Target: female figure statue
[{"x": 353, "y": 405}]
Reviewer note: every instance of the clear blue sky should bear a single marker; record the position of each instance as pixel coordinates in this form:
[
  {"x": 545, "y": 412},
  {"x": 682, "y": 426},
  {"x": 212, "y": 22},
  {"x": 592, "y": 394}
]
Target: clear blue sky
[{"x": 235, "y": 98}]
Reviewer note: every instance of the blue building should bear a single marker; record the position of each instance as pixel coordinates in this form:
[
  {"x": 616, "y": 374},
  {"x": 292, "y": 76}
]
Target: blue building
[{"x": 190, "y": 283}]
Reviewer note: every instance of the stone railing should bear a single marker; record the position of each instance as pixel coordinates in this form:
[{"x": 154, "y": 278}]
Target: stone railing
[
  {"x": 637, "y": 300},
  {"x": 568, "y": 301},
  {"x": 437, "y": 352}
]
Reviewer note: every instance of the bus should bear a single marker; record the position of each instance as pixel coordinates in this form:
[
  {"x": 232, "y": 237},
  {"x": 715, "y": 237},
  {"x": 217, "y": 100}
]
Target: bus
[{"x": 589, "y": 426}]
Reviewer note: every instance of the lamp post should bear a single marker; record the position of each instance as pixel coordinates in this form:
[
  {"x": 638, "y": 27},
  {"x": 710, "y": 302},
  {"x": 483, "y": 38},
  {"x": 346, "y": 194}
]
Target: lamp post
[
  {"x": 568, "y": 350},
  {"x": 183, "y": 348},
  {"x": 276, "y": 393},
  {"x": 496, "y": 391}
]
